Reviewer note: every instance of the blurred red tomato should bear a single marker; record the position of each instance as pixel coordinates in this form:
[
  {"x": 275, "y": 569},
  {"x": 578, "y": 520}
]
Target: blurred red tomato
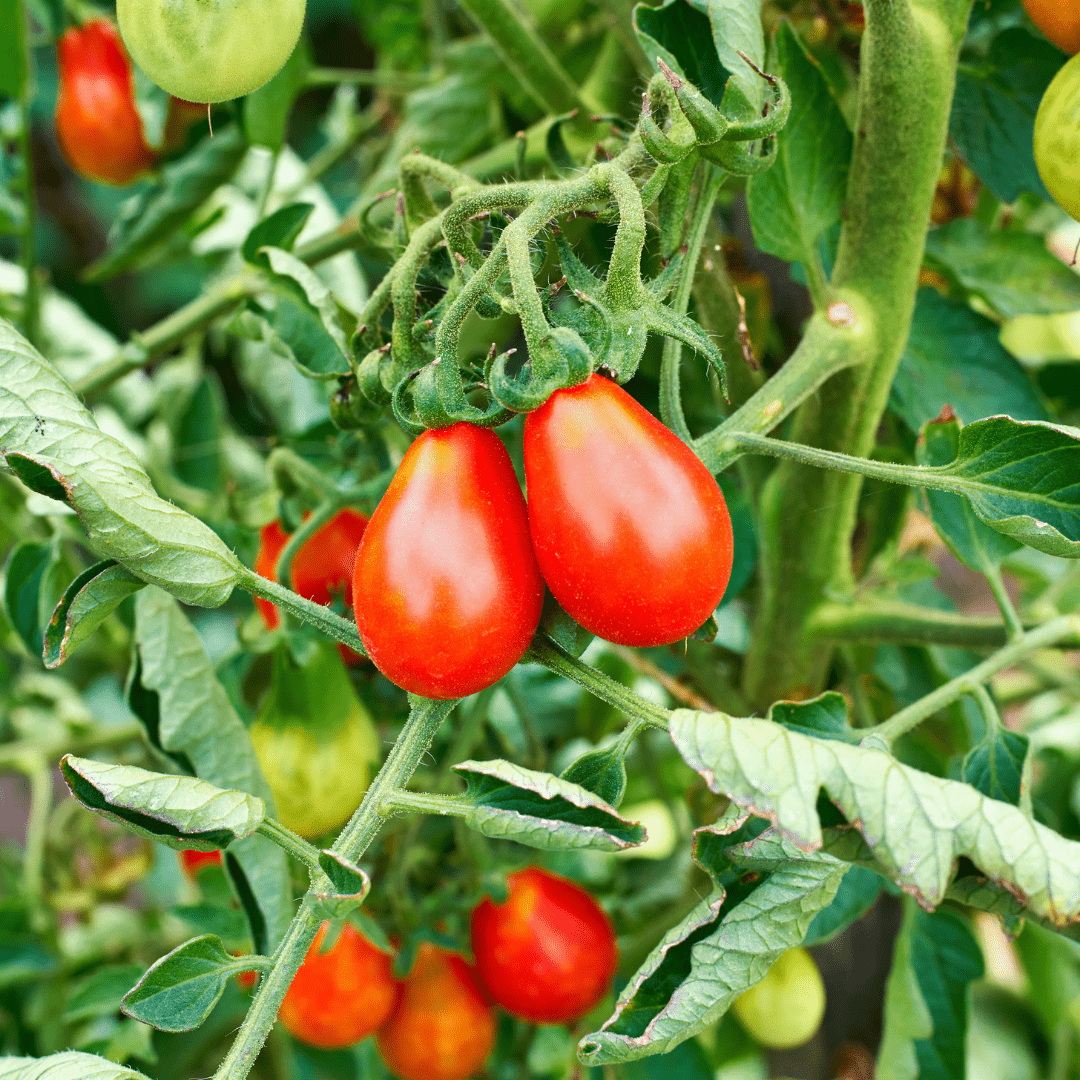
[
  {"x": 97, "y": 122},
  {"x": 193, "y": 861}
]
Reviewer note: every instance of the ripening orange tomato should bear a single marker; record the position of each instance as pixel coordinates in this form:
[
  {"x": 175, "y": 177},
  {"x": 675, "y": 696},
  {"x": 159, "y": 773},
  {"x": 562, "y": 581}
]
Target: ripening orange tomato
[
  {"x": 97, "y": 122},
  {"x": 441, "y": 1028},
  {"x": 340, "y": 996},
  {"x": 322, "y": 568},
  {"x": 1059, "y": 20}
]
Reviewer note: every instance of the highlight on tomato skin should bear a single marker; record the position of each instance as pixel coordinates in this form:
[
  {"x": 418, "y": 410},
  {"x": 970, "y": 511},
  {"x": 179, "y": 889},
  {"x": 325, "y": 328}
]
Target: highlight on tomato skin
[
  {"x": 342, "y": 995},
  {"x": 192, "y": 861},
  {"x": 322, "y": 569},
  {"x": 630, "y": 528},
  {"x": 441, "y": 1028},
  {"x": 548, "y": 954},
  {"x": 97, "y": 123},
  {"x": 1059, "y": 20},
  {"x": 448, "y": 594}
]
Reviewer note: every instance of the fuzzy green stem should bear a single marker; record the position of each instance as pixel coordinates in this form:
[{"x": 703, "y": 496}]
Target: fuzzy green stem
[
  {"x": 526, "y": 54},
  {"x": 992, "y": 572},
  {"x": 546, "y": 652},
  {"x": 1051, "y": 633},
  {"x": 421, "y": 802},
  {"x": 907, "y": 74},
  {"x": 415, "y": 738},
  {"x": 287, "y": 840},
  {"x": 671, "y": 410},
  {"x": 322, "y": 618}
]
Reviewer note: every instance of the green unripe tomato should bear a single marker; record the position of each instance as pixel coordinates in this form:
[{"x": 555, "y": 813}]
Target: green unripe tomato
[
  {"x": 1057, "y": 138},
  {"x": 786, "y": 1007},
  {"x": 210, "y": 50}
]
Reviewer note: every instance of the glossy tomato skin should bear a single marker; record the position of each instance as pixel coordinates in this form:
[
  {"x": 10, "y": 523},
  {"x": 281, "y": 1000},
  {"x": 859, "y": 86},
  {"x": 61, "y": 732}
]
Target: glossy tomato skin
[
  {"x": 448, "y": 593},
  {"x": 441, "y": 1027},
  {"x": 321, "y": 570},
  {"x": 629, "y": 527},
  {"x": 193, "y": 861},
  {"x": 340, "y": 996},
  {"x": 211, "y": 50},
  {"x": 548, "y": 954},
  {"x": 1057, "y": 135},
  {"x": 1059, "y": 20},
  {"x": 97, "y": 122}
]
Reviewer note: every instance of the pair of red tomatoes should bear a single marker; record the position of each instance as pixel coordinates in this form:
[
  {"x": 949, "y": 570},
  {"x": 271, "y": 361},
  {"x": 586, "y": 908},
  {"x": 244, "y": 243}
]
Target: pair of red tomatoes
[
  {"x": 624, "y": 524},
  {"x": 97, "y": 121},
  {"x": 547, "y": 955}
]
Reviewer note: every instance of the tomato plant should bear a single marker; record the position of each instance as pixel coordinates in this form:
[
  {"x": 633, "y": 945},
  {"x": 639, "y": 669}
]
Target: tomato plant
[
  {"x": 340, "y": 994},
  {"x": 441, "y": 1027},
  {"x": 631, "y": 532},
  {"x": 97, "y": 122},
  {"x": 548, "y": 953},
  {"x": 211, "y": 52},
  {"x": 635, "y": 446},
  {"x": 446, "y": 587}
]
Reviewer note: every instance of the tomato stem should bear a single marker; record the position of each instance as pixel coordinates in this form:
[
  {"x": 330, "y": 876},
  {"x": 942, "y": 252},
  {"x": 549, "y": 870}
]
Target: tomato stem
[{"x": 289, "y": 841}]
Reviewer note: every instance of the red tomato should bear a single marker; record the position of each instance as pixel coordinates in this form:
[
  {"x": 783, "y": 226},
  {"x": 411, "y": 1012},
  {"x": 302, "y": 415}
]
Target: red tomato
[
  {"x": 1059, "y": 20},
  {"x": 548, "y": 954},
  {"x": 448, "y": 594},
  {"x": 321, "y": 570},
  {"x": 340, "y": 996},
  {"x": 441, "y": 1028},
  {"x": 629, "y": 527},
  {"x": 193, "y": 861},
  {"x": 97, "y": 123}
]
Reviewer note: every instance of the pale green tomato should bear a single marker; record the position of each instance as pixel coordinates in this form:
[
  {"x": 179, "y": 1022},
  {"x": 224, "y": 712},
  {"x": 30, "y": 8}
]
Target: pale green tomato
[
  {"x": 210, "y": 50},
  {"x": 1057, "y": 138},
  {"x": 786, "y": 1007},
  {"x": 317, "y": 779}
]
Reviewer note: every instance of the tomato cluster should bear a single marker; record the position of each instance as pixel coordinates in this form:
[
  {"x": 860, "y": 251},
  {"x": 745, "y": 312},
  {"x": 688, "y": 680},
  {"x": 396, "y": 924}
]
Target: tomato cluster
[
  {"x": 624, "y": 524},
  {"x": 546, "y": 955}
]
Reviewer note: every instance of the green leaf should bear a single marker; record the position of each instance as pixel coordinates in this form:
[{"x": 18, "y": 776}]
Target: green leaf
[
  {"x": 101, "y": 993},
  {"x": 824, "y": 717},
  {"x": 993, "y": 111},
  {"x": 802, "y": 195},
  {"x": 266, "y": 110},
  {"x": 736, "y": 27},
  {"x": 1024, "y": 480},
  {"x": 69, "y": 1065},
  {"x": 225, "y": 923},
  {"x": 539, "y": 810},
  {"x": 89, "y": 600},
  {"x": 975, "y": 544},
  {"x": 914, "y": 825},
  {"x": 723, "y": 947},
  {"x": 26, "y": 591},
  {"x": 349, "y": 886},
  {"x": 304, "y": 325},
  {"x": 680, "y": 34},
  {"x": 189, "y": 716},
  {"x": 926, "y": 999},
  {"x": 52, "y": 442},
  {"x": 603, "y": 772},
  {"x": 995, "y": 765},
  {"x": 857, "y": 894},
  {"x": 279, "y": 230},
  {"x": 12, "y": 48},
  {"x": 151, "y": 217},
  {"x": 953, "y": 357},
  {"x": 181, "y": 811},
  {"x": 180, "y": 991},
  {"x": 1011, "y": 270}
]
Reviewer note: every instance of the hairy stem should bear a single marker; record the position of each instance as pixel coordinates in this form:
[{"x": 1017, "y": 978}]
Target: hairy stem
[
  {"x": 1051, "y": 633},
  {"x": 907, "y": 74}
]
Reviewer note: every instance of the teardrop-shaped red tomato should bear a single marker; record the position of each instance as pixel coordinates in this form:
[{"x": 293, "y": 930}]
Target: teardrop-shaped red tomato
[
  {"x": 447, "y": 590},
  {"x": 97, "y": 122},
  {"x": 629, "y": 527}
]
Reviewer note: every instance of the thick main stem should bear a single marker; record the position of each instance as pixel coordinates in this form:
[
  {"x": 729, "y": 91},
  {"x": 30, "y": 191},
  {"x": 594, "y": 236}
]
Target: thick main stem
[
  {"x": 908, "y": 71},
  {"x": 415, "y": 738}
]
